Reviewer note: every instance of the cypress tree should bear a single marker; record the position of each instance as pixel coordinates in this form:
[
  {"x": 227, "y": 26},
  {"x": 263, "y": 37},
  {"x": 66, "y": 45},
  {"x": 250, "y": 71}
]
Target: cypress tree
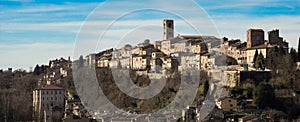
[
  {"x": 255, "y": 57},
  {"x": 206, "y": 87},
  {"x": 81, "y": 61},
  {"x": 293, "y": 54},
  {"x": 260, "y": 63}
]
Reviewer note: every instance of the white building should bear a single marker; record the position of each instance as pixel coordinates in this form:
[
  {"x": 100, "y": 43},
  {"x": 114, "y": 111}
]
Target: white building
[{"x": 48, "y": 98}]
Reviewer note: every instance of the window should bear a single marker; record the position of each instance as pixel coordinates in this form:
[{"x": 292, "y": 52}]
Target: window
[
  {"x": 170, "y": 25},
  {"x": 231, "y": 105},
  {"x": 229, "y": 100}
]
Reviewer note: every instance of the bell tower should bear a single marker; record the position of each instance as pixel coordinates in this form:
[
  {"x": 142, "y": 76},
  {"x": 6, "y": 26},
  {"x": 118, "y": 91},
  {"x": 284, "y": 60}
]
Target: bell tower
[{"x": 168, "y": 28}]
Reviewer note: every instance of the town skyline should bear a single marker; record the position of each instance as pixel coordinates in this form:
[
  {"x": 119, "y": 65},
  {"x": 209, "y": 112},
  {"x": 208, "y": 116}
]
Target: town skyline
[
  {"x": 148, "y": 61},
  {"x": 28, "y": 31}
]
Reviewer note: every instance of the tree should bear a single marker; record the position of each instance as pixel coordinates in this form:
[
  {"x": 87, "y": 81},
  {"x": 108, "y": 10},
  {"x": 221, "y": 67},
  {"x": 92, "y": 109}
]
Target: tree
[
  {"x": 36, "y": 70},
  {"x": 271, "y": 57},
  {"x": 260, "y": 61},
  {"x": 224, "y": 39},
  {"x": 206, "y": 87},
  {"x": 255, "y": 56},
  {"x": 275, "y": 56},
  {"x": 81, "y": 61},
  {"x": 39, "y": 69},
  {"x": 119, "y": 66},
  {"x": 294, "y": 55},
  {"x": 264, "y": 96}
]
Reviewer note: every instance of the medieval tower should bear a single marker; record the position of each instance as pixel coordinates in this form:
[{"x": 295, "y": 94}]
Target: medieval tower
[{"x": 168, "y": 28}]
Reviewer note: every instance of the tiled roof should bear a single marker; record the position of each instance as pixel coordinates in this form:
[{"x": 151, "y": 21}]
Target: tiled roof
[
  {"x": 191, "y": 36},
  {"x": 263, "y": 46},
  {"x": 176, "y": 40}
]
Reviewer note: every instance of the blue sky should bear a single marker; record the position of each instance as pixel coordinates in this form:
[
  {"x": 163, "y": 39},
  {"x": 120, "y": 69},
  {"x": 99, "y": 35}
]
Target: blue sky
[{"x": 35, "y": 31}]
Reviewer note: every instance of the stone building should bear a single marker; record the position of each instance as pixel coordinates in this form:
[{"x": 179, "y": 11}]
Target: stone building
[
  {"x": 275, "y": 39},
  {"x": 48, "y": 99},
  {"x": 237, "y": 50},
  {"x": 227, "y": 104},
  {"x": 191, "y": 114},
  {"x": 255, "y": 37},
  {"x": 184, "y": 43},
  {"x": 156, "y": 61},
  {"x": 190, "y": 61},
  {"x": 255, "y": 41},
  {"x": 140, "y": 58},
  {"x": 140, "y": 62},
  {"x": 167, "y": 46},
  {"x": 91, "y": 60},
  {"x": 199, "y": 47},
  {"x": 206, "y": 62},
  {"x": 170, "y": 63},
  {"x": 123, "y": 52},
  {"x": 168, "y": 28},
  {"x": 180, "y": 46},
  {"x": 251, "y": 52},
  {"x": 231, "y": 78},
  {"x": 157, "y": 45},
  {"x": 228, "y": 43},
  {"x": 145, "y": 43},
  {"x": 104, "y": 61},
  {"x": 60, "y": 63},
  {"x": 64, "y": 72}
]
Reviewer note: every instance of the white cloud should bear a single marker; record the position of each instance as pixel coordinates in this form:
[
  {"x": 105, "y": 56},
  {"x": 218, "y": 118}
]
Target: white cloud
[
  {"x": 52, "y": 7},
  {"x": 60, "y": 26},
  {"x": 48, "y": 8},
  {"x": 28, "y": 55},
  {"x": 132, "y": 27},
  {"x": 235, "y": 26}
]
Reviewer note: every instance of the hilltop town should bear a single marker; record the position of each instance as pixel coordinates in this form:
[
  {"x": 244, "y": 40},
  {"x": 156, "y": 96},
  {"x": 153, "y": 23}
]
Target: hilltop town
[{"x": 260, "y": 80}]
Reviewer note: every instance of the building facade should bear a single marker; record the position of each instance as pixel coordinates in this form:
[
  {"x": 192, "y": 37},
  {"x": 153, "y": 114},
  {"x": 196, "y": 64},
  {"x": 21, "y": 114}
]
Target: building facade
[
  {"x": 47, "y": 98},
  {"x": 168, "y": 28},
  {"x": 255, "y": 37},
  {"x": 227, "y": 104}
]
